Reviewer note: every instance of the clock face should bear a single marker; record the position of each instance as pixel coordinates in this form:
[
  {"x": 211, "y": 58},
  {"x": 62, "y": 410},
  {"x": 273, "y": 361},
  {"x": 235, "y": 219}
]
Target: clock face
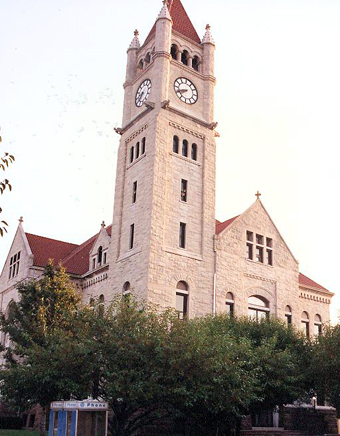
[
  {"x": 186, "y": 90},
  {"x": 143, "y": 92}
]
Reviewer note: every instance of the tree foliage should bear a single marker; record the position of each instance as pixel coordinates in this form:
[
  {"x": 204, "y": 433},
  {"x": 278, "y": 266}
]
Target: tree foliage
[
  {"x": 5, "y": 160},
  {"x": 325, "y": 366}
]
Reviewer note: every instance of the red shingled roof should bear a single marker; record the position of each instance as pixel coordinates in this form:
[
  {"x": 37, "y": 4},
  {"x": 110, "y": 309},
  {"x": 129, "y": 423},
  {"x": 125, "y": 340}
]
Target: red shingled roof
[
  {"x": 44, "y": 249},
  {"x": 181, "y": 22},
  {"x": 221, "y": 226},
  {"x": 309, "y": 283}
]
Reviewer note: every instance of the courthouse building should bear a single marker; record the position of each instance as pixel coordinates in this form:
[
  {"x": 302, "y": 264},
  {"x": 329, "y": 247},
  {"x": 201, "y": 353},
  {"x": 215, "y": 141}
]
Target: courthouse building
[{"x": 165, "y": 244}]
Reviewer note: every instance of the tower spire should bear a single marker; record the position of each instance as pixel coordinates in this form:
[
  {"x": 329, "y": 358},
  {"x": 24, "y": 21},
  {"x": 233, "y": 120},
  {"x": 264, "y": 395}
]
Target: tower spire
[
  {"x": 135, "y": 44},
  {"x": 207, "y": 38},
  {"x": 164, "y": 13}
]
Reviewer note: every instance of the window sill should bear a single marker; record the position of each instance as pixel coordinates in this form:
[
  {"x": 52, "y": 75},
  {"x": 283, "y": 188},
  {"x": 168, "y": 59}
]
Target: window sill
[
  {"x": 186, "y": 159},
  {"x": 182, "y": 252},
  {"x": 136, "y": 161},
  {"x": 259, "y": 263},
  {"x": 130, "y": 253}
]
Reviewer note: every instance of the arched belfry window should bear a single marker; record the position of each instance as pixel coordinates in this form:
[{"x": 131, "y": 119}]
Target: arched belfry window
[
  {"x": 288, "y": 315},
  {"x": 317, "y": 325},
  {"x": 148, "y": 58},
  {"x": 194, "y": 151},
  {"x": 195, "y": 63},
  {"x": 175, "y": 144},
  {"x": 229, "y": 303},
  {"x": 182, "y": 295},
  {"x": 100, "y": 255},
  {"x": 174, "y": 51},
  {"x": 185, "y": 148},
  {"x": 185, "y": 57},
  {"x": 258, "y": 307},
  {"x": 140, "y": 66},
  {"x": 305, "y": 323}
]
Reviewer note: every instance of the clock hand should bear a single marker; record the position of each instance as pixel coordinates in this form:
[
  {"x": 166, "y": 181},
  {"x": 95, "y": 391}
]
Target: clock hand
[{"x": 182, "y": 91}]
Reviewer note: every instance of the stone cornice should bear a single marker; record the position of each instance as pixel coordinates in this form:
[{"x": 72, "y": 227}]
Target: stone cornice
[{"x": 166, "y": 106}]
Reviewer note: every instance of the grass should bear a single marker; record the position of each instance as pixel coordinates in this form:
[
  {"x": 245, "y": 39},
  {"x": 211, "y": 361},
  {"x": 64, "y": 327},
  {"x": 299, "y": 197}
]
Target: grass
[{"x": 18, "y": 433}]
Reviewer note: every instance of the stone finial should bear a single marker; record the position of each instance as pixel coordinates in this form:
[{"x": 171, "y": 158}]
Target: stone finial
[
  {"x": 135, "y": 44},
  {"x": 164, "y": 13},
  {"x": 207, "y": 38},
  {"x": 103, "y": 224},
  {"x": 258, "y": 195},
  {"x": 21, "y": 220}
]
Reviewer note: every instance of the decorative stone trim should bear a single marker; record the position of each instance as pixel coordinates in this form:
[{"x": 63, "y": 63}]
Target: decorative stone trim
[
  {"x": 185, "y": 129},
  {"x": 263, "y": 279},
  {"x": 307, "y": 296},
  {"x": 95, "y": 280},
  {"x": 186, "y": 159},
  {"x": 136, "y": 133},
  {"x": 182, "y": 252}
]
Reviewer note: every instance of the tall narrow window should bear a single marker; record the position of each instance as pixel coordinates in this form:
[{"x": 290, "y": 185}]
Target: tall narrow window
[
  {"x": 100, "y": 255},
  {"x": 94, "y": 263},
  {"x": 259, "y": 249},
  {"x": 317, "y": 325},
  {"x": 134, "y": 192},
  {"x": 182, "y": 230},
  {"x": 250, "y": 240},
  {"x": 288, "y": 315},
  {"x": 184, "y": 188},
  {"x": 269, "y": 250},
  {"x": 182, "y": 300},
  {"x": 14, "y": 265},
  {"x": 305, "y": 323},
  {"x": 185, "y": 148},
  {"x": 194, "y": 152},
  {"x": 131, "y": 154},
  {"x": 175, "y": 144},
  {"x": 137, "y": 150},
  {"x": 132, "y": 235},
  {"x": 229, "y": 304},
  {"x": 105, "y": 257},
  {"x": 143, "y": 145}
]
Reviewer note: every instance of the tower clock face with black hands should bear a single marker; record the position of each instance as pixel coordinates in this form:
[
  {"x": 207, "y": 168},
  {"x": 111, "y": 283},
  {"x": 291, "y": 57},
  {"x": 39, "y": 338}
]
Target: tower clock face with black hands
[
  {"x": 143, "y": 92},
  {"x": 185, "y": 90}
]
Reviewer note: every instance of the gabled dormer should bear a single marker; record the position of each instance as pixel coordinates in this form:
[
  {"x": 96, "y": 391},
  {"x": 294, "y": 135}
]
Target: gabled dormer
[{"x": 98, "y": 256}]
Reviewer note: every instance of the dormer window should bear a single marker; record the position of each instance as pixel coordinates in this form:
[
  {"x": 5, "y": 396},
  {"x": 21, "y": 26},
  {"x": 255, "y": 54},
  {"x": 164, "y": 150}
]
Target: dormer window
[{"x": 14, "y": 265}]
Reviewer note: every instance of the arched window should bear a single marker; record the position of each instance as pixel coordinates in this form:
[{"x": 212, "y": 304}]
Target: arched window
[
  {"x": 131, "y": 154},
  {"x": 143, "y": 145},
  {"x": 185, "y": 148},
  {"x": 185, "y": 57},
  {"x": 229, "y": 304},
  {"x": 140, "y": 66},
  {"x": 305, "y": 323},
  {"x": 317, "y": 325},
  {"x": 258, "y": 307},
  {"x": 195, "y": 63},
  {"x": 194, "y": 152},
  {"x": 148, "y": 58},
  {"x": 175, "y": 144},
  {"x": 174, "y": 51},
  {"x": 182, "y": 294},
  {"x": 100, "y": 255},
  {"x": 137, "y": 150},
  {"x": 126, "y": 288},
  {"x": 288, "y": 315}
]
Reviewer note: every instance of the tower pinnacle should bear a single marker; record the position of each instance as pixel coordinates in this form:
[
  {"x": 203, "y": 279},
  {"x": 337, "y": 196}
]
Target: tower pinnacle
[
  {"x": 135, "y": 44},
  {"x": 207, "y": 38}
]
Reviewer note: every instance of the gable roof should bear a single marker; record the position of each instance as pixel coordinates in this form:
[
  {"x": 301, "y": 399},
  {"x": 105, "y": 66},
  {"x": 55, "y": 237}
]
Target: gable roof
[
  {"x": 309, "y": 283},
  {"x": 44, "y": 249},
  {"x": 221, "y": 226},
  {"x": 181, "y": 22}
]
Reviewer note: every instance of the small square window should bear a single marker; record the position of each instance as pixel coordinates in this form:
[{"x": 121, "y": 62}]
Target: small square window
[
  {"x": 250, "y": 236},
  {"x": 259, "y": 239},
  {"x": 269, "y": 242}
]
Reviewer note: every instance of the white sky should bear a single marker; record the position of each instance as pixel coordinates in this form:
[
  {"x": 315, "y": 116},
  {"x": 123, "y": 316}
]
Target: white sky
[{"x": 62, "y": 66}]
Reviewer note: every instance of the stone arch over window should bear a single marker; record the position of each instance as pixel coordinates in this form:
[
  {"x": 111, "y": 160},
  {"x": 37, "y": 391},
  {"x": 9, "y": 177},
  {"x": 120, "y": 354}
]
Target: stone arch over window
[
  {"x": 175, "y": 144},
  {"x": 258, "y": 307},
  {"x": 195, "y": 63},
  {"x": 288, "y": 315},
  {"x": 229, "y": 303},
  {"x": 305, "y": 323},
  {"x": 182, "y": 297},
  {"x": 194, "y": 151},
  {"x": 317, "y": 325},
  {"x": 185, "y": 57}
]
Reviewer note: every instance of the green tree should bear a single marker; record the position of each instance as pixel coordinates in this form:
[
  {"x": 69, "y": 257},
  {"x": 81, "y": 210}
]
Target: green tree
[
  {"x": 325, "y": 366},
  {"x": 40, "y": 324},
  {"x": 4, "y": 184}
]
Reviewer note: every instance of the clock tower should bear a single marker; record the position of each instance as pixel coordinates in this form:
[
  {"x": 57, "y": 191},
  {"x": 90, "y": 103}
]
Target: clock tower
[{"x": 162, "y": 246}]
